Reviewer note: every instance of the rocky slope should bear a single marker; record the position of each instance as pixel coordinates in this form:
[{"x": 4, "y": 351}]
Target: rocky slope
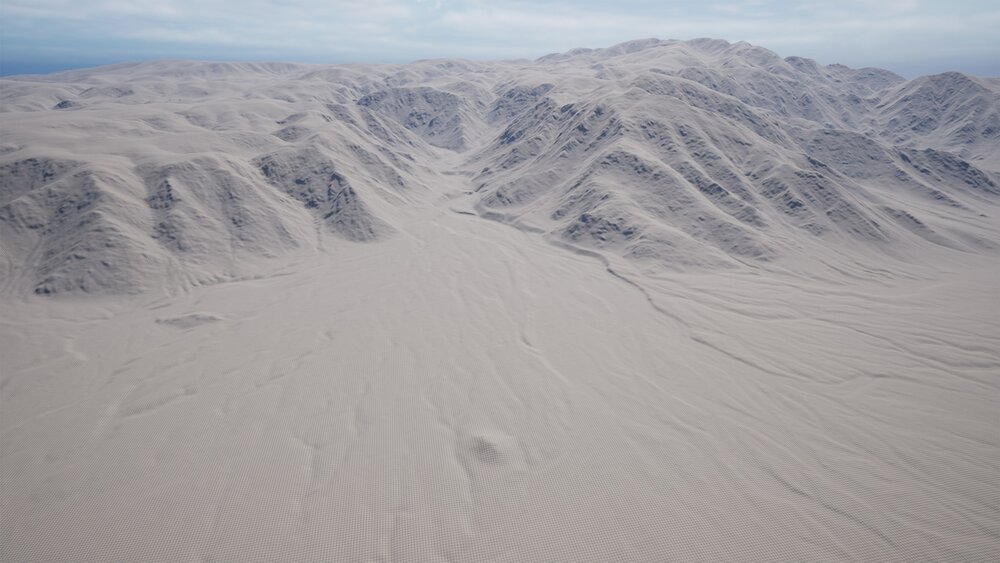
[{"x": 697, "y": 154}]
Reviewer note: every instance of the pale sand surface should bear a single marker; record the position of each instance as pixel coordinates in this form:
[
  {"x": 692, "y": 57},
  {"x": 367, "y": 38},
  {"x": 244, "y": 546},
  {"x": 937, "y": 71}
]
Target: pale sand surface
[{"x": 468, "y": 394}]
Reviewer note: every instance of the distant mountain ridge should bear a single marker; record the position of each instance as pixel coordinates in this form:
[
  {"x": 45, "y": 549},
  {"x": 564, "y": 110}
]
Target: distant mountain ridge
[{"x": 673, "y": 154}]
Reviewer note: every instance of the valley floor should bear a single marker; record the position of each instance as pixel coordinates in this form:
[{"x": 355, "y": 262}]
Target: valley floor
[{"x": 465, "y": 391}]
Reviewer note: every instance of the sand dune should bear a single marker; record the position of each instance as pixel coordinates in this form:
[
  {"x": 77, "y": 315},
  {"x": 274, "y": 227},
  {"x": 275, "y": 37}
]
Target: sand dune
[{"x": 664, "y": 301}]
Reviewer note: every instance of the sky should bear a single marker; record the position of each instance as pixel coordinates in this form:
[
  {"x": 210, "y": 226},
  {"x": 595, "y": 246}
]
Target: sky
[{"x": 910, "y": 37}]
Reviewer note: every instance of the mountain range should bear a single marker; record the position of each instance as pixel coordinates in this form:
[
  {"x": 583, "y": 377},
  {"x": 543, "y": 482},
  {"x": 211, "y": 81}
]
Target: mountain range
[{"x": 675, "y": 154}]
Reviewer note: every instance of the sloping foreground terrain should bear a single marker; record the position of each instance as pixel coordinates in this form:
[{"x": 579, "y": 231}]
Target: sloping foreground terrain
[{"x": 664, "y": 301}]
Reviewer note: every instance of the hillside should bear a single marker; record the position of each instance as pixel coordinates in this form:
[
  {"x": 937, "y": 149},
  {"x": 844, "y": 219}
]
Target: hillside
[{"x": 699, "y": 154}]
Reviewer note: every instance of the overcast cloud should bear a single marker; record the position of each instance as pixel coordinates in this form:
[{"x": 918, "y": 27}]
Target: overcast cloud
[{"x": 911, "y": 37}]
